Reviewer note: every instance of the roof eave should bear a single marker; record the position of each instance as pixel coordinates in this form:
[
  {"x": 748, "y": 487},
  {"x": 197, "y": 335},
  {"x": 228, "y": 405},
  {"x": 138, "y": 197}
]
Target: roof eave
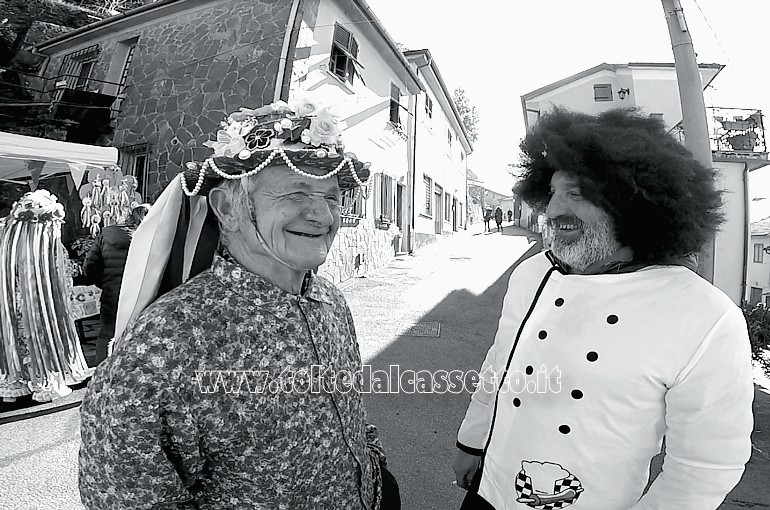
[
  {"x": 378, "y": 26},
  {"x": 434, "y": 68},
  {"x": 69, "y": 39}
]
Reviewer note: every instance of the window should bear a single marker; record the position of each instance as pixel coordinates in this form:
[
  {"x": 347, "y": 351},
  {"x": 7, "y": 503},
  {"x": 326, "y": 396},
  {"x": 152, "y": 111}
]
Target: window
[
  {"x": 447, "y": 207},
  {"x": 428, "y": 196},
  {"x": 603, "y": 92},
  {"x": 459, "y": 214},
  {"x": 84, "y": 73},
  {"x": 755, "y": 296},
  {"x": 343, "y": 55},
  {"x": 395, "y": 104},
  {"x": 383, "y": 204},
  {"x": 352, "y": 203},
  {"x": 428, "y": 106},
  {"x": 134, "y": 160},
  {"x": 76, "y": 68},
  {"x": 759, "y": 253}
]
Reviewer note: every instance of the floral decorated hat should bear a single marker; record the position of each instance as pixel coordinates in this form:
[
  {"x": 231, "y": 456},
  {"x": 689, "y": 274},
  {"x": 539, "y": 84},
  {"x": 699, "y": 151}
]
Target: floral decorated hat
[
  {"x": 300, "y": 133},
  {"x": 40, "y": 206}
]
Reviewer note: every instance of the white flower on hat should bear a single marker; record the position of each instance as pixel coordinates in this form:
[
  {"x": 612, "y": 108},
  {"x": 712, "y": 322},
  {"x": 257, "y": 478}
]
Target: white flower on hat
[
  {"x": 226, "y": 145},
  {"x": 324, "y": 128},
  {"x": 304, "y": 107}
]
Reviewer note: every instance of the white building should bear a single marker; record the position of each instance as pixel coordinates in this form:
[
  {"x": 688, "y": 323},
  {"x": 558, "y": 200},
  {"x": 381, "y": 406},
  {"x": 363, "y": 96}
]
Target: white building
[
  {"x": 345, "y": 57},
  {"x": 758, "y": 273},
  {"x": 737, "y": 140},
  {"x": 441, "y": 149}
]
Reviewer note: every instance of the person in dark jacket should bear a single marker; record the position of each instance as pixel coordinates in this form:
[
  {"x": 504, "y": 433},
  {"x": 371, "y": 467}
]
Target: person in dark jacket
[
  {"x": 104, "y": 267},
  {"x": 499, "y": 219}
]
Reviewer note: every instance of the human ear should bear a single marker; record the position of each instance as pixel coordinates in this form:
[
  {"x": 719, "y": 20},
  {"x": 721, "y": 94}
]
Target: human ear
[{"x": 223, "y": 209}]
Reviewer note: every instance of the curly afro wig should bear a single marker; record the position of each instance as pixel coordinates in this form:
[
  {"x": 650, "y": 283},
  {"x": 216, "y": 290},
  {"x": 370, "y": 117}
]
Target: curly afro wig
[{"x": 662, "y": 201}]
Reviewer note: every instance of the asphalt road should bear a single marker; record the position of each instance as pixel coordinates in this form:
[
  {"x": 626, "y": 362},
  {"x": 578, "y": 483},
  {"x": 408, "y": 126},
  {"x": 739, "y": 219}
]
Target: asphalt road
[{"x": 453, "y": 288}]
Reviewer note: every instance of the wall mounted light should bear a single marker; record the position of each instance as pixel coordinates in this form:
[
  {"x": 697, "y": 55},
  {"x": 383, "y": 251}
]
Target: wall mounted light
[{"x": 622, "y": 93}]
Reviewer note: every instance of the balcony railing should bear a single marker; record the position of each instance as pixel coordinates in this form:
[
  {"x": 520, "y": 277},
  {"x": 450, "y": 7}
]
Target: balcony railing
[
  {"x": 67, "y": 107},
  {"x": 733, "y": 133}
]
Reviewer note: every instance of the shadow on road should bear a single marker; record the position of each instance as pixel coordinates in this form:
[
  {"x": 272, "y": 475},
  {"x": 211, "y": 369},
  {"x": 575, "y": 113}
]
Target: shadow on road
[{"x": 418, "y": 429}]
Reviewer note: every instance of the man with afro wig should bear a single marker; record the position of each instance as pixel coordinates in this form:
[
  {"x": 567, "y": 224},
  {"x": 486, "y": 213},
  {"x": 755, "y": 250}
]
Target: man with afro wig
[{"x": 629, "y": 343}]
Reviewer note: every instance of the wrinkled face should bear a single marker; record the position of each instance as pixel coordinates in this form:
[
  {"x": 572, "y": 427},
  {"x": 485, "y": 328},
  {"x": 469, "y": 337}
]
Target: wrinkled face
[
  {"x": 297, "y": 216},
  {"x": 583, "y": 233}
]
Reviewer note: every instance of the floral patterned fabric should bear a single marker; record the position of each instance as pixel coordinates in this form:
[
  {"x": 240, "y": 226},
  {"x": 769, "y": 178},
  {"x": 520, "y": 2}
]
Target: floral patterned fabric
[{"x": 160, "y": 430}]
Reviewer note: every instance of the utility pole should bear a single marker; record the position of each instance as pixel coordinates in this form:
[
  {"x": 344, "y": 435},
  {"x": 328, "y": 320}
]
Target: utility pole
[{"x": 693, "y": 108}]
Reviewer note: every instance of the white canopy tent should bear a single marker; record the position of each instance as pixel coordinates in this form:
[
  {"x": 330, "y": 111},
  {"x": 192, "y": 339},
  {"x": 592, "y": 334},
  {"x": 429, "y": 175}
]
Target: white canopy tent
[{"x": 18, "y": 154}]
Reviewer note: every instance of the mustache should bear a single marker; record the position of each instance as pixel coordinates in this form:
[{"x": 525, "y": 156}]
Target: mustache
[{"x": 559, "y": 221}]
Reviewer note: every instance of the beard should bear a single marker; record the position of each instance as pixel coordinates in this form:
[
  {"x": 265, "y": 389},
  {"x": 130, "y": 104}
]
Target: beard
[{"x": 597, "y": 242}]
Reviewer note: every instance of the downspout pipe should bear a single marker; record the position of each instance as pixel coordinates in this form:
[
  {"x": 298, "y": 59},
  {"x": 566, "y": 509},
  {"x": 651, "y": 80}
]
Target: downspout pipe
[
  {"x": 283, "y": 76},
  {"x": 746, "y": 232},
  {"x": 410, "y": 247}
]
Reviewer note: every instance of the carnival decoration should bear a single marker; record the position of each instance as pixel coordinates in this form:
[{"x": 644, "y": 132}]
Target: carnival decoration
[
  {"x": 300, "y": 132},
  {"x": 40, "y": 350},
  {"x": 108, "y": 199}
]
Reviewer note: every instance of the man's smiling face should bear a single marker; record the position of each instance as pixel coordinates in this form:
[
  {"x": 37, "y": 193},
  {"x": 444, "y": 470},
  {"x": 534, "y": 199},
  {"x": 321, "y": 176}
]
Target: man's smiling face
[
  {"x": 298, "y": 216},
  {"x": 583, "y": 232}
]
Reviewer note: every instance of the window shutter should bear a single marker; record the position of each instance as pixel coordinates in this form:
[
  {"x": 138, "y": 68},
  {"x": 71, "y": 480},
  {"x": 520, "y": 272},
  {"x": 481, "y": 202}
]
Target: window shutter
[
  {"x": 342, "y": 37},
  {"x": 377, "y": 202}
]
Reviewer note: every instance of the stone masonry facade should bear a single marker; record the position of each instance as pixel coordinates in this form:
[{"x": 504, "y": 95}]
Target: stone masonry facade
[
  {"x": 188, "y": 72},
  {"x": 356, "y": 251}
]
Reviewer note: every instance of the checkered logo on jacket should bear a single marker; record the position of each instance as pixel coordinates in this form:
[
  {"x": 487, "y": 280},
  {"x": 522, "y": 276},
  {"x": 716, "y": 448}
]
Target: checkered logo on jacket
[{"x": 524, "y": 489}]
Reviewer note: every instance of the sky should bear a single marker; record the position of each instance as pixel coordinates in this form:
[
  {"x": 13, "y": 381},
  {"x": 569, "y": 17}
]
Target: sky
[{"x": 499, "y": 50}]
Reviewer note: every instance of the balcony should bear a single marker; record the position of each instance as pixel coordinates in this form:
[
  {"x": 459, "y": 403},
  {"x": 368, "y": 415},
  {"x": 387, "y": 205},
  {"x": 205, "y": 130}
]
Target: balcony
[
  {"x": 735, "y": 134},
  {"x": 67, "y": 107}
]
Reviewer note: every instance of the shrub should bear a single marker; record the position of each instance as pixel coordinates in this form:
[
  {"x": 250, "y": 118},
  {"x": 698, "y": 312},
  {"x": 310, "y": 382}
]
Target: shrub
[{"x": 758, "y": 322}]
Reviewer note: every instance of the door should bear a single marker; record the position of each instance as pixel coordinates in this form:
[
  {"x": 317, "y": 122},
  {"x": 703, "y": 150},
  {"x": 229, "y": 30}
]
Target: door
[
  {"x": 400, "y": 207},
  {"x": 400, "y": 241},
  {"x": 438, "y": 215},
  {"x": 756, "y": 296},
  {"x": 454, "y": 215}
]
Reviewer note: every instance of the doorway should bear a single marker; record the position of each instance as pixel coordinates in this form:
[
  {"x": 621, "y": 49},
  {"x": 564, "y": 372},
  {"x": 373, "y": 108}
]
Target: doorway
[
  {"x": 454, "y": 215},
  {"x": 438, "y": 215}
]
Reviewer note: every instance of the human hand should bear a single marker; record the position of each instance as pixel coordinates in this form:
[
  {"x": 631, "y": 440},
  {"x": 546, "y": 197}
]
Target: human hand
[{"x": 465, "y": 466}]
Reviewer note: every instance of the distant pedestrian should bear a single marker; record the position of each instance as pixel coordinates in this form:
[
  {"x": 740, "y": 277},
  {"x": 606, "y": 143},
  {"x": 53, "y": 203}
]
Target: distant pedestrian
[
  {"x": 104, "y": 267},
  {"x": 499, "y": 219},
  {"x": 510, "y": 215},
  {"x": 487, "y": 219}
]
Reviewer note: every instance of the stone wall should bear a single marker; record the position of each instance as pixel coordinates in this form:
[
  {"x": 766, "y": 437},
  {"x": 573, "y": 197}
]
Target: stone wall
[
  {"x": 356, "y": 251},
  {"x": 188, "y": 72}
]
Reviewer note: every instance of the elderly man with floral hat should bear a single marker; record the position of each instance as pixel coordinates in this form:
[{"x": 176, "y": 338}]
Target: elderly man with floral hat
[{"x": 213, "y": 397}]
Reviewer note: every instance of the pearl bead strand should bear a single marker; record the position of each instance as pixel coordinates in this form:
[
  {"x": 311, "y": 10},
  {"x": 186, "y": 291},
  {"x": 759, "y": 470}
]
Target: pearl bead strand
[{"x": 209, "y": 163}]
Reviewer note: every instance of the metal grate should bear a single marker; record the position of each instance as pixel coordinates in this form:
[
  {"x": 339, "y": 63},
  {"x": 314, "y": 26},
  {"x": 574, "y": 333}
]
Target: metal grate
[{"x": 427, "y": 329}]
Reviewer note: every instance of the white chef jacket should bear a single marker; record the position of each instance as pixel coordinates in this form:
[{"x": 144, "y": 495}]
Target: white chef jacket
[{"x": 640, "y": 355}]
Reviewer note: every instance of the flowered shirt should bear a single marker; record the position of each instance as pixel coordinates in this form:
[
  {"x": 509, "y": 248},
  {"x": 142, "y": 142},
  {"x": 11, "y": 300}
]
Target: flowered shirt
[{"x": 196, "y": 408}]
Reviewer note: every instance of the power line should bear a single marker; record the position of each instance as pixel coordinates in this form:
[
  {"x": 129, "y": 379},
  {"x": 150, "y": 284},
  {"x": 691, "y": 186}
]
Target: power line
[{"x": 721, "y": 46}]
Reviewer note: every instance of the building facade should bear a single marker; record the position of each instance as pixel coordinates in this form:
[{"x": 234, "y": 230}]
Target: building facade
[
  {"x": 164, "y": 76},
  {"x": 736, "y": 135},
  {"x": 345, "y": 57},
  {"x": 441, "y": 150},
  {"x": 758, "y": 271}
]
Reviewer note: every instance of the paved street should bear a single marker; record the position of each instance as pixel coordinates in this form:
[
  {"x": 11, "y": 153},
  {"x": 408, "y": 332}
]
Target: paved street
[{"x": 453, "y": 288}]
